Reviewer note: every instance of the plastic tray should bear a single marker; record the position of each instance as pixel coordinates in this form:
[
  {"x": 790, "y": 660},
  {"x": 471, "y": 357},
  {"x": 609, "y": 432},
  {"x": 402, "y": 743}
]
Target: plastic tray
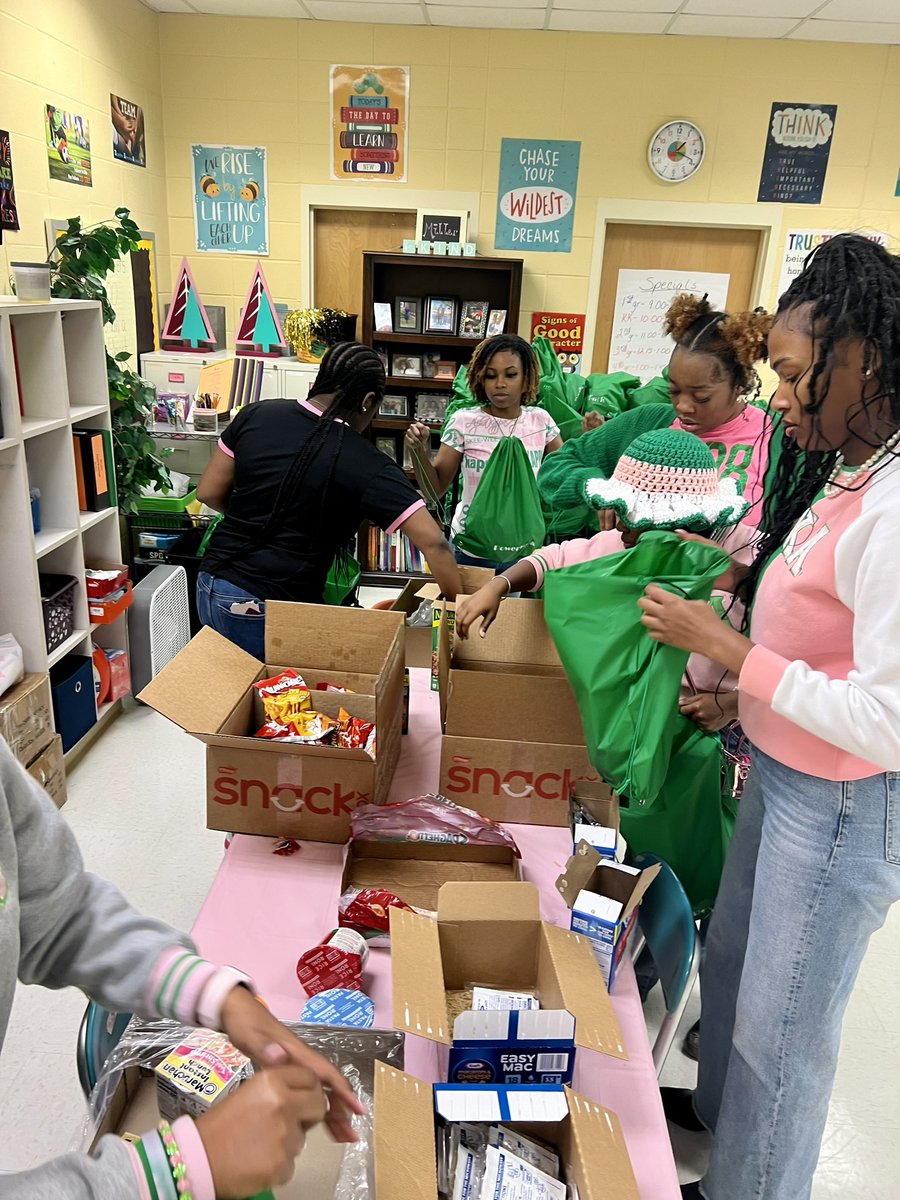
[{"x": 170, "y": 504}]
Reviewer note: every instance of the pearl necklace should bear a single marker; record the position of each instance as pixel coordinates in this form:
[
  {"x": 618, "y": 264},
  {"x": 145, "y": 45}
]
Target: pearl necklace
[{"x": 833, "y": 489}]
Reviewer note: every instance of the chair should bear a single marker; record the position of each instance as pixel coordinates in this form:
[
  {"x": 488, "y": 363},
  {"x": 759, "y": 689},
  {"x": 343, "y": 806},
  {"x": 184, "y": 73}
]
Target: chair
[
  {"x": 98, "y": 1035},
  {"x": 666, "y": 927}
]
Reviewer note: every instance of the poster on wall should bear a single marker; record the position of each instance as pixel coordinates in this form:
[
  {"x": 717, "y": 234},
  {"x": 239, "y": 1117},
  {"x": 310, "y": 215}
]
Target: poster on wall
[
  {"x": 565, "y": 332},
  {"x": 231, "y": 213},
  {"x": 127, "y": 131},
  {"x": 68, "y": 139},
  {"x": 798, "y": 243},
  {"x": 798, "y": 143},
  {"x": 9, "y": 214},
  {"x": 536, "y": 195},
  {"x": 369, "y": 122},
  {"x": 639, "y": 344}
]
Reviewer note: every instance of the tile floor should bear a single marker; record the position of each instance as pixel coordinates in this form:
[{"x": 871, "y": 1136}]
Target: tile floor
[{"x": 136, "y": 807}]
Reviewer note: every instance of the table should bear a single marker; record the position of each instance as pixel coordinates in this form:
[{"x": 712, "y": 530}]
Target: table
[{"x": 263, "y": 911}]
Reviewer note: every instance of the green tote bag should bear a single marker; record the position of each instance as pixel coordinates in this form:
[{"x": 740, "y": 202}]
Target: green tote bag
[{"x": 504, "y": 521}]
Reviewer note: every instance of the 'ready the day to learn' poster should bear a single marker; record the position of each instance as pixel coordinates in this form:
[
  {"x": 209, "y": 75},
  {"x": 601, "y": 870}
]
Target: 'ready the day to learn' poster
[{"x": 369, "y": 123}]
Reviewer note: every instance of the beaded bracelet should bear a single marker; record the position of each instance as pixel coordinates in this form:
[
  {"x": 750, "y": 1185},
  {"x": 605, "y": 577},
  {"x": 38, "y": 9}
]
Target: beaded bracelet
[{"x": 176, "y": 1162}]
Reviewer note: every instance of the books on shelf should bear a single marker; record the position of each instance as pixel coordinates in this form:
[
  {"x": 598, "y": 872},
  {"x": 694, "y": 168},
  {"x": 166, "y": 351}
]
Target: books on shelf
[
  {"x": 93, "y": 468},
  {"x": 393, "y": 552}
]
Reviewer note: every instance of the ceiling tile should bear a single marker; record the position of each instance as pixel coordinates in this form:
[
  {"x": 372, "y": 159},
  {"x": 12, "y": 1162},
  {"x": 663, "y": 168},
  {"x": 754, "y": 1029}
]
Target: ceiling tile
[
  {"x": 754, "y": 8},
  {"x": 359, "y": 10},
  {"x": 607, "y": 22},
  {"x": 486, "y": 18},
  {"x": 860, "y": 10},
  {"x": 170, "y": 6},
  {"x": 619, "y": 7},
  {"x": 541, "y": 4},
  {"x": 849, "y": 31},
  {"x": 751, "y": 27},
  {"x": 241, "y": 8}
]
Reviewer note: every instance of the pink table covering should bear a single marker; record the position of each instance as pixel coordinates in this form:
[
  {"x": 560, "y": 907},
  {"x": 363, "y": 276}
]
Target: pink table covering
[{"x": 263, "y": 911}]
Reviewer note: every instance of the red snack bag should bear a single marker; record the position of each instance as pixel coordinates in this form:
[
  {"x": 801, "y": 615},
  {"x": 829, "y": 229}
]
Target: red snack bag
[
  {"x": 355, "y": 733},
  {"x": 308, "y": 728},
  {"x": 336, "y": 962},
  {"x": 368, "y": 908}
]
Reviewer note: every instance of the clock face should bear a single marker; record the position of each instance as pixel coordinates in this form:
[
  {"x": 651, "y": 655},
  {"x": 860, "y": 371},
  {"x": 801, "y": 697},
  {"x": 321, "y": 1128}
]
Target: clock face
[{"x": 676, "y": 151}]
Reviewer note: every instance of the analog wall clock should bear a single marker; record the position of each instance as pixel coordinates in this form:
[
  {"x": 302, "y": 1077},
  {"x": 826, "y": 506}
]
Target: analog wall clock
[{"x": 676, "y": 151}]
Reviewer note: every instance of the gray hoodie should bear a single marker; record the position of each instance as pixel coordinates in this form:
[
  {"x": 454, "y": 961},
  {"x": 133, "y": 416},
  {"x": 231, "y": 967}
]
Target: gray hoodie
[{"x": 61, "y": 926}]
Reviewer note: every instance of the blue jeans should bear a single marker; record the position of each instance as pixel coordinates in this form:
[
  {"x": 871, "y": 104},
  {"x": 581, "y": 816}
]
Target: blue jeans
[
  {"x": 812, "y": 870},
  {"x": 214, "y": 600}
]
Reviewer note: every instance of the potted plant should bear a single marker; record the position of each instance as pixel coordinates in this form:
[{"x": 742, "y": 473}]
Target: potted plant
[{"x": 79, "y": 264}]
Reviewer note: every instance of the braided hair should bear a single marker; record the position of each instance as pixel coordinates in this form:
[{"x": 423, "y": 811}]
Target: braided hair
[
  {"x": 852, "y": 288},
  {"x": 484, "y": 353},
  {"x": 737, "y": 341}
]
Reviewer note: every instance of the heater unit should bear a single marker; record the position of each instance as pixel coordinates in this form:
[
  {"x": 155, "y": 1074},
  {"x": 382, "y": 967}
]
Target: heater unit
[{"x": 158, "y": 623}]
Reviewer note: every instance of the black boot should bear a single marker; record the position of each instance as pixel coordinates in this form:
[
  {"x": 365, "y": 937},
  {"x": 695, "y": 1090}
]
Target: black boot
[
  {"x": 691, "y": 1191},
  {"x": 691, "y": 1044},
  {"x": 679, "y": 1109}
]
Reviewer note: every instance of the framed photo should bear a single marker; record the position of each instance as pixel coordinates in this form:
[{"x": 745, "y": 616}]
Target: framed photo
[
  {"x": 388, "y": 446},
  {"x": 394, "y": 406},
  {"x": 382, "y": 354},
  {"x": 473, "y": 318},
  {"x": 440, "y": 315},
  {"x": 444, "y": 368},
  {"x": 407, "y": 314},
  {"x": 431, "y": 407},
  {"x": 383, "y": 321},
  {"x": 445, "y": 225},
  {"x": 406, "y": 365},
  {"x": 408, "y": 461},
  {"x": 496, "y": 321}
]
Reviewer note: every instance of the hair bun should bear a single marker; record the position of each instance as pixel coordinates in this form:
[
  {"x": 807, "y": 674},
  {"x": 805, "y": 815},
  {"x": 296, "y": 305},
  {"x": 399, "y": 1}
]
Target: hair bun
[
  {"x": 746, "y": 334},
  {"x": 684, "y": 312}
]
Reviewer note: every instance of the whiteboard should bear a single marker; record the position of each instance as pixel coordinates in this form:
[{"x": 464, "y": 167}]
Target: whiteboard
[{"x": 638, "y": 344}]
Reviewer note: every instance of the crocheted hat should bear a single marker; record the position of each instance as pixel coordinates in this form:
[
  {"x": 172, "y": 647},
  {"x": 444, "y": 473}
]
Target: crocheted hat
[{"x": 667, "y": 479}]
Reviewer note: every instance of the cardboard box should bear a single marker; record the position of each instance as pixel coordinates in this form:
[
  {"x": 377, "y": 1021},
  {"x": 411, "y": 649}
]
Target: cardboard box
[
  {"x": 420, "y": 642},
  {"x": 491, "y": 934},
  {"x": 26, "y": 717},
  {"x": 416, "y": 871},
  {"x": 604, "y": 898},
  {"x": 49, "y": 769},
  {"x": 282, "y": 789},
  {"x": 595, "y": 819},
  {"x": 588, "y": 1137},
  {"x": 513, "y": 745}
]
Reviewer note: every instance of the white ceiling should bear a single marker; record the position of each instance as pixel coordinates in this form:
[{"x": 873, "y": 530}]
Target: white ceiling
[{"x": 875, "y": 21}]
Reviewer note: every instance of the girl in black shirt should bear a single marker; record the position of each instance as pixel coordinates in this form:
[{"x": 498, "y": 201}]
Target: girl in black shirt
[{"x": 294, "y": 480}]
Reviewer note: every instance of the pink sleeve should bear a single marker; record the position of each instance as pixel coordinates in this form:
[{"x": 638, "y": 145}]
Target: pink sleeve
[
  {"x": 741, "y": 541},
  {"x": 578, "y": 550},
  {"x": 181, "y": 985},
  {"x": 194, "y": 1154},
  {"x": 761, "y": 674},
  {"x": 225, "y": 449},
  {"x": 404, "y": 516}
]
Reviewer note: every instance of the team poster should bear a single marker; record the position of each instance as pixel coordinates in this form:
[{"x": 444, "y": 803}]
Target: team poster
[
  {"x": 231, "y": 213},
  {"x": 128, "y": 139},
  {"x": 796, "y": 157},
  {"x": 369, "y": 123},
  {"x": 68, "y": 139}
]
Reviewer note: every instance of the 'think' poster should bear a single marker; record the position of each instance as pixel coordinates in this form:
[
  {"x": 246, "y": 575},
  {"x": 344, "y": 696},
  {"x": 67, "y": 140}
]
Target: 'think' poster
[{"x": 796, "y": 157}]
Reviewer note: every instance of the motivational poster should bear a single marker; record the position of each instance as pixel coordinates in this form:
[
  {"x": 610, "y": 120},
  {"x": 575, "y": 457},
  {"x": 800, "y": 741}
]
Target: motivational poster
[
  {"x": 536, "y": 195},
  {"x": 798, "y": 143},
  {"x": 369, "y": 123},
  {"x": 231, "y": 213}
]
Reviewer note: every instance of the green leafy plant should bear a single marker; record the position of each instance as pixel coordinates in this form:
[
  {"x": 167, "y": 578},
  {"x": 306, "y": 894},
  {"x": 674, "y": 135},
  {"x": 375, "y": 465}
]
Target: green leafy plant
[{"x": 79, "y": 265}]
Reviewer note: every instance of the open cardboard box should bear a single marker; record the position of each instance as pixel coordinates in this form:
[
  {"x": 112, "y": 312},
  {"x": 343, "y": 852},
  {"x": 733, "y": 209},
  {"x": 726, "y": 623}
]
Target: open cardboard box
[
  {"x": 26, "y": 717},
  {"x": 616, "y": 892},
  {"x": 589, "y": 1138},
  {"x": 513, "y": 745},
  {"x": 416, "y": 871},
  {"x": 282, "y": 789},
  {"x": 491, "y": 934},
  {"x": 596, "y": 819},
  {"x": 420, "y": 642}
]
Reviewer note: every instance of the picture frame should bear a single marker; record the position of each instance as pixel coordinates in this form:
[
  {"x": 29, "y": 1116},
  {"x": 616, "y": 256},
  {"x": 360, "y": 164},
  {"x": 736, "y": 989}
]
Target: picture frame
[
  {"x": 440, "y": 315},
  {"x": 429, "y": 361},
  {"x": 441, "y": 225},
  {"x": 445, "y": 368},
  {"x": 431, "y": 407},
  {"x": 382, "y": 354},
  {"x": 384, "y": 322},
  {"x": 407, "y": 314},
  {"x": 408, "y": 460},
  {"x": 387, "y": 445},
  {"x": 406, "y": 366},
  {"x": 394, "y": 406},
  {"x": 496, "y": 321},
  {"x": 473, "y": 318}
]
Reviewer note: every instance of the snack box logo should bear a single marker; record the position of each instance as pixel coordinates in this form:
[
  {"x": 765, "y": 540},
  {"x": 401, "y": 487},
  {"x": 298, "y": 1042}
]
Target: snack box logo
[
  {"x": 463, "y": 777},
  {"x": 324, "y": 801}
]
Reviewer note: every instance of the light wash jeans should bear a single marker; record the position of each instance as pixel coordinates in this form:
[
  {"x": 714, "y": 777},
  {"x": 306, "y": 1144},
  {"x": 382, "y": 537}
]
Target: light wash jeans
[
  {"x": 214, "y": 600},
  {"x": 812, "y": 870}
]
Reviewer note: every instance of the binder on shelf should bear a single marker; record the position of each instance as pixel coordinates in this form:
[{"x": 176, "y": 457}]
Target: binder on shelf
[{"x": 90, "y": 470}]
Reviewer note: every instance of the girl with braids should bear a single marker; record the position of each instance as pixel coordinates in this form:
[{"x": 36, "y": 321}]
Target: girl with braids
[
  {"x": 503, "y": 377},
  {"x": 294, "y": 480},
  {"x": 814, "y": 865}
]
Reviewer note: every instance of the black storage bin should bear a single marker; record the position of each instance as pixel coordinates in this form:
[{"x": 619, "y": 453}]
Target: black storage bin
[
  {"x": 58, "y": 604},
  {"x": 74, "y": 705}
]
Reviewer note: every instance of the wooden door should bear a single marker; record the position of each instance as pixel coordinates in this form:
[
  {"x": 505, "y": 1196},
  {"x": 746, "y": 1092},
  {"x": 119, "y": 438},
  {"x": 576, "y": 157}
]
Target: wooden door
[
  {"x": 734, "y": 252},
  {"x": 341, "y": 236}
]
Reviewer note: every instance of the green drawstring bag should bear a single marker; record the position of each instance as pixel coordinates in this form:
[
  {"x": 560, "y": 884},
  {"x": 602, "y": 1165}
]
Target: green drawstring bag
[
  {"x": 553, "y": 390},
  {"x": 343, "y": 578},
  {"x": 626, "y": 684},
  {"x": 609, "y": 395},
  {"x": 654, "y": 391},
  {"x": 504, "y": 521}
]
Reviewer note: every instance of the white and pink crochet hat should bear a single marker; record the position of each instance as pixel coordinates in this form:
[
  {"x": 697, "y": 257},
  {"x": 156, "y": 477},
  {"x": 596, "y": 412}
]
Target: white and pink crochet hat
[{"x": 667, "y": 479}]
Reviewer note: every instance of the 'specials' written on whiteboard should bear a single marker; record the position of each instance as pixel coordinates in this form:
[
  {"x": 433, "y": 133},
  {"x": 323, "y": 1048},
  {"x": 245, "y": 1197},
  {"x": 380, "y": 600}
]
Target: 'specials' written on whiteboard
[{"x": 639, "y": 344}]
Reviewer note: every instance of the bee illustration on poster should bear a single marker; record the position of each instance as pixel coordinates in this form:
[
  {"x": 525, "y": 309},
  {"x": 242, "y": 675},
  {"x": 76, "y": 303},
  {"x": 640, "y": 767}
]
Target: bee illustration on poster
[
  {"x": 369, "y": 122},
  {"x": 231, "y": 214}
]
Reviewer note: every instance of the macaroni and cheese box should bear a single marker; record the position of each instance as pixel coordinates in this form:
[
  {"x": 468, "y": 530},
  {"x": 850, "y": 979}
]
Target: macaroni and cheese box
[{"x": 531, "y": 1046}]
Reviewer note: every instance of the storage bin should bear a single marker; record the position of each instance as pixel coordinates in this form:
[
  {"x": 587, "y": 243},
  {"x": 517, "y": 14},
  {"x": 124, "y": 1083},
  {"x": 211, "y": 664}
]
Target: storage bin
[
  {"x": 35, "y": 495},
  {"x": 104, "y": 612},
  {"x": 169, "y": 504},
  {"x": 58, "y": 604},
  {"x": 74, "y": 706},
  {"x": 98, "y": 589}
]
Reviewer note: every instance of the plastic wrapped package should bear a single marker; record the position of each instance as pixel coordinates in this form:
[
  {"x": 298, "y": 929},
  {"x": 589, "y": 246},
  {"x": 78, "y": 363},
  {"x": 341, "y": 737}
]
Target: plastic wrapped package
[
  {"x": 353, "y": 1051},
  {"x": 430, "y": 818}
]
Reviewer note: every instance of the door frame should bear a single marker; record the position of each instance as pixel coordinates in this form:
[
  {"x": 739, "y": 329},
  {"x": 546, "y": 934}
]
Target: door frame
[
  {"x": 351, "y": 195},
  {"x": 768, "y": 219}
]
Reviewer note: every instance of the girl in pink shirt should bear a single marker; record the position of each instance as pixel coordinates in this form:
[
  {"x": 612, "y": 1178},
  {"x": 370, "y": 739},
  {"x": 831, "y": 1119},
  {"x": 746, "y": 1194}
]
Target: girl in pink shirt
[{"x": 814, "y": 864}]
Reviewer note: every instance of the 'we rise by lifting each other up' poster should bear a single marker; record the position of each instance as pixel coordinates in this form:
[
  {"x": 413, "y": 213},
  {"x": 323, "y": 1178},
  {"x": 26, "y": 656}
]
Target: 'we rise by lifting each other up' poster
[{"x": 369, "y": 122}]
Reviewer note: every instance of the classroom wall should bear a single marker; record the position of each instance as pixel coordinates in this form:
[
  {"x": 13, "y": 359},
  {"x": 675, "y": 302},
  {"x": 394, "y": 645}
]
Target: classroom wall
[
  {"x": 266, "y": 82},
  {"x": 73, "y": 53}
]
